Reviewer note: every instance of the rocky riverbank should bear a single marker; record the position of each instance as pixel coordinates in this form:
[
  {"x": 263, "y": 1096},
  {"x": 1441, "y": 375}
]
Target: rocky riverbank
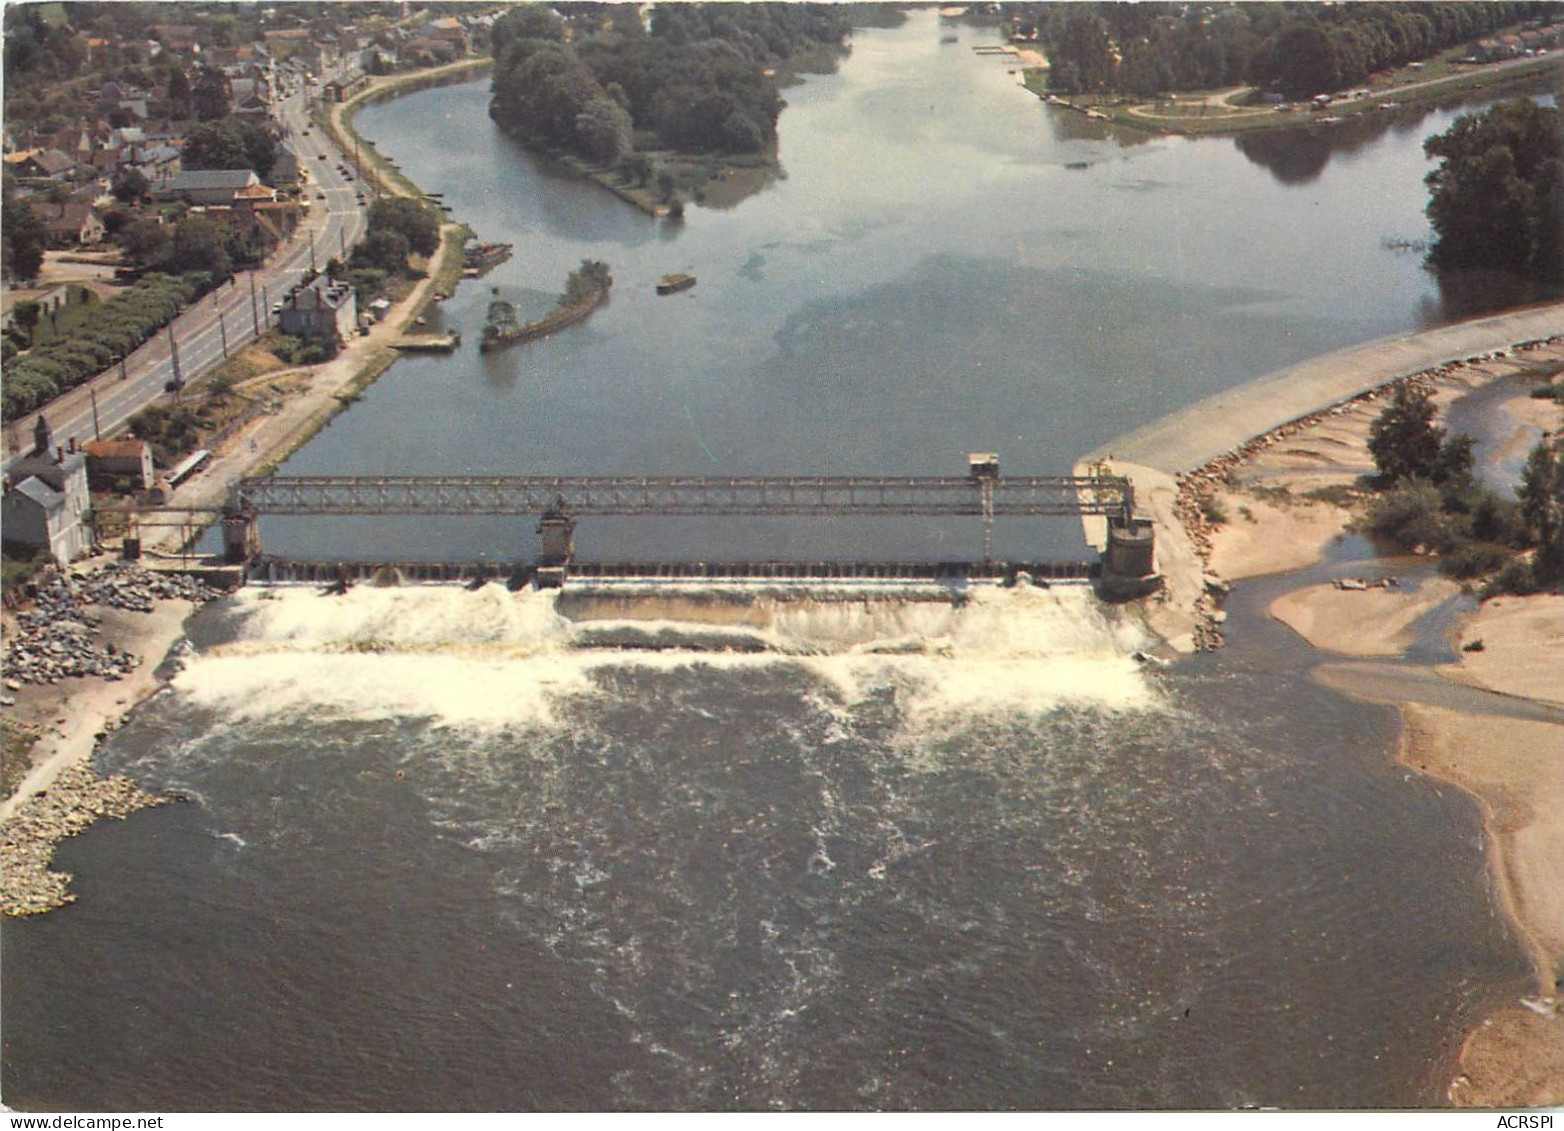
[
  {"x": 79, "y": 656},
  {"x": 77, "y": 798},
  {"x": 58, "y": 638},
  {"x": 1201, "y": 507}
]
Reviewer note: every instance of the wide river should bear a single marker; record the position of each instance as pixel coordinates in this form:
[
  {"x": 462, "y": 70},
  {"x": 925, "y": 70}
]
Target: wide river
[{"x": 487, "y": 850}]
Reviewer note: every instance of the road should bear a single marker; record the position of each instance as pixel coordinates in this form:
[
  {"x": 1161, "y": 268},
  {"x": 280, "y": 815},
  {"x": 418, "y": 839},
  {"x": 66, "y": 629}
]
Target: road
[{"x": 233, "y": 313}]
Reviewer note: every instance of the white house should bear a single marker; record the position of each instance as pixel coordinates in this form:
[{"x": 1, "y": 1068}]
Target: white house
[{"x": 45, "y": 499}]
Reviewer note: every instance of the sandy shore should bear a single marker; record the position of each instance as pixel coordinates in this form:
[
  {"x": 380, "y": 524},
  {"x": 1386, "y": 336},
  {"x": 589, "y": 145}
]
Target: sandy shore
[
  {"x": 1275, "y": 505},
  {"x": 1372, "y": 622},
  {"x": 74, "y": 713}
]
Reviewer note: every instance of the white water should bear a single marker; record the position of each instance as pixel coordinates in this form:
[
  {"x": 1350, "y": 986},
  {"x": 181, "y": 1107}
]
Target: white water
[{"x": 491, "y": 658}]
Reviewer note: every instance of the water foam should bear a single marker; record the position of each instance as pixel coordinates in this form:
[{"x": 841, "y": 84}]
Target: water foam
[{"x": 491, "y": 657}]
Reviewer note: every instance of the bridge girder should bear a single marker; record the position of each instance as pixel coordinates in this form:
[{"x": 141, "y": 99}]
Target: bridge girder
[{"x": 579, "y": 496}]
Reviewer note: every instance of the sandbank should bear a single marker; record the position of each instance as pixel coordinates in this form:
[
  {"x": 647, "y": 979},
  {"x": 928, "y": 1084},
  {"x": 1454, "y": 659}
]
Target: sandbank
[
  {"x": 1515, "y": 769},
  {"x": 1522, "y": 651},
  {"x": 1362, "y": 622}
]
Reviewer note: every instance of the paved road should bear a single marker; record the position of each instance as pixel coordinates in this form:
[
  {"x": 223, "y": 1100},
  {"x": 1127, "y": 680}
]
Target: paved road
[
  {"x": 1198, "y": 434},
  {"x": 334, "y": 225}
]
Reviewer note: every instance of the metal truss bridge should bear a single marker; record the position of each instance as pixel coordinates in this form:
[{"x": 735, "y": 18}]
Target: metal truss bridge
[{"x": 580, "y": 496}]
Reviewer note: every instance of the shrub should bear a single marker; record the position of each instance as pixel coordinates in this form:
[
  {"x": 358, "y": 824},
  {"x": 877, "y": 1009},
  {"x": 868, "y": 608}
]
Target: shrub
[
  {"x": 1212, "y": 510},
  {"x": 1413, "y": 515},
  {"x": 1498, "y": 520},
  {"x": 1516, "y": 578},
  {"x": 1473, "y": 559},
  {"x": 306, "y": 351}
]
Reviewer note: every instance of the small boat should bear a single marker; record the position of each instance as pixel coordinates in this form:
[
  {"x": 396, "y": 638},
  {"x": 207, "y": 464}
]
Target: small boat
[{"x": 673, "y": 284}]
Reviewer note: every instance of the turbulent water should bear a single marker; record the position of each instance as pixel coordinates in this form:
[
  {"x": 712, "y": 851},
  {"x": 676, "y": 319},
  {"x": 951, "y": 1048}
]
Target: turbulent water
[{"x": 717, "y": 849}]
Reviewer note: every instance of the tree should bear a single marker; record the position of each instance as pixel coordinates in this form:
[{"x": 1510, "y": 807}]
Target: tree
[
  {"x": 1497, "y": 196},
  {"x": 591, "y": 278},
  {"x": 212, "y": 97},
  {"x": 526, "y": 21},
  {"x": 130, "y": 184},
  {"x": 145, "y": 241},
  {"x": 25, "y": 317},
  {"x": 24, "y": 237},
  {"x": 415, "y": 222},
  {"x": 382, "y": 248},
  {"x": 198, "y": 245},
  {"x": 228, "y": 143},
  {"x": 1305, "y": 60},
  {"x": 1077, "y": 36},
  {"x": 1541, "y": 494},
  {"x": 180, "y": 104},
  {"x": 1406, "y": 444},
  {"x": 603, "y": 130}
]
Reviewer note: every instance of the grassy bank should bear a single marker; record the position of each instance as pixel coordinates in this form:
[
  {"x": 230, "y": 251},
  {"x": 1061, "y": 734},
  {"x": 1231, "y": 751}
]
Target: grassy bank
[
  {"x": 445, "y": 270},
  {"x": 1208, "y": 112}
]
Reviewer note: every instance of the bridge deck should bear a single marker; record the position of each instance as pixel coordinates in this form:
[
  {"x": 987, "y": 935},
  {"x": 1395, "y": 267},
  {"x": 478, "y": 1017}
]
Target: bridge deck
[{"x": 680, "y": 495}]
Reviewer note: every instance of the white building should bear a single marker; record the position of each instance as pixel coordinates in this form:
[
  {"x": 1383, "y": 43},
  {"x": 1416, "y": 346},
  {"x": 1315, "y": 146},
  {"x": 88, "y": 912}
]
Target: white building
[{"x": 46, "y": 498}]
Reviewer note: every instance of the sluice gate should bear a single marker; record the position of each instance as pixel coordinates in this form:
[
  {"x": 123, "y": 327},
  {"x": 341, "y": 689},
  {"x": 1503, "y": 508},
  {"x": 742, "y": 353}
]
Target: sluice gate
[
  {"x": 285, "y": 570},
  {"x": 558, "y": 502}
]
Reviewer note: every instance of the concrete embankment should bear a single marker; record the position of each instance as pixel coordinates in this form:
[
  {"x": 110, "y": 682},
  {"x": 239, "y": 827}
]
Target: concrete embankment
[
  {"x": 1163, "y": 458},
  {"x": 1196, "y": 435}
]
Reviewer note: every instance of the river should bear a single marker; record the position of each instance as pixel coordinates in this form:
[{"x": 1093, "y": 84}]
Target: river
[{"x": 493, "y": 851}]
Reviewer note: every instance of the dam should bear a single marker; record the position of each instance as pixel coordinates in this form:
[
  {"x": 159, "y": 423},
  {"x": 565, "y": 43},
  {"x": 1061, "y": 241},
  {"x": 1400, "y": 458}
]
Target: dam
[{"x": 558, "y": 502}]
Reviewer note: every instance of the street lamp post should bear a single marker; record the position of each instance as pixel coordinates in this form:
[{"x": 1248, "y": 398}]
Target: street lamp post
[
  {"x": 222, "y": 329},
  {"x": 255, "y": 315}
]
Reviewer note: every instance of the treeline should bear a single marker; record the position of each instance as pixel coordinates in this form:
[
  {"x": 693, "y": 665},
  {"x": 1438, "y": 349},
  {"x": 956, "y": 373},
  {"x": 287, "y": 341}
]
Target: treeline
[
  {"x": 117, "y": 327},
  {"x": 1296, "y": 49},
  {"x": 1496, "y": 200},
  {"x": 699, "y": 79}
]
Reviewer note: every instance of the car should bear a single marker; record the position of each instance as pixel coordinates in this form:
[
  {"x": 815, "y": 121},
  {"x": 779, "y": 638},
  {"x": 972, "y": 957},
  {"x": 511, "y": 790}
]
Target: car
[
  {"x": 320, "y": 196},
  {"x": 322, "y": 156}
]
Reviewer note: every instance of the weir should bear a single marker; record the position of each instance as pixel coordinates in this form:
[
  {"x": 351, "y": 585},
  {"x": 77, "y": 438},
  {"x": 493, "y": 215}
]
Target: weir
[
  {"x": 268, "y": 568},
  {"x": 559, "y": 502}
]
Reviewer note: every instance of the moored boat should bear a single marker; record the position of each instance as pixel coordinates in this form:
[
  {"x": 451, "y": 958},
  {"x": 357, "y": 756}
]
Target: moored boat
[{"x": 673, "y": 284}]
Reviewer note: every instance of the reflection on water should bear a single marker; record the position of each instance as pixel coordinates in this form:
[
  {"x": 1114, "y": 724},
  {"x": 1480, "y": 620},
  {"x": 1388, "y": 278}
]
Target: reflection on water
[
  {"x": 1298, "y": 155},
  {"x": 1293, "y": 157}
]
